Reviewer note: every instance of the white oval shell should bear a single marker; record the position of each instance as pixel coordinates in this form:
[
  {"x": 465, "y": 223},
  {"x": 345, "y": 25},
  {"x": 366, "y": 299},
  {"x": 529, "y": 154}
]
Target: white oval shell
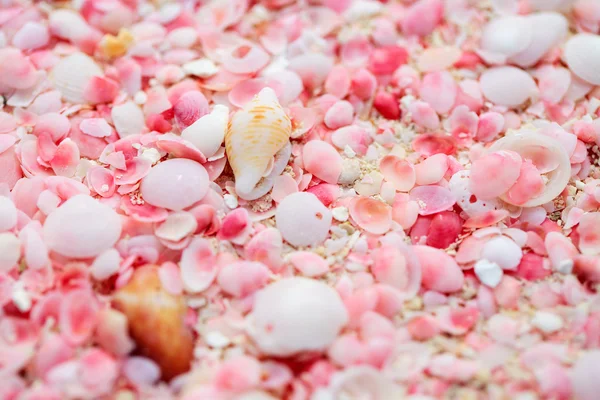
[
  {"x": 254, "y": 136},
  {"x": 302, "y": 219},
  {"x": 507, "y": 86},
  {"x": 557, "y": 179},
  {"x": 548, "y": 29},
  {"x": 71, "y": 75},
  {"x": 296, "y": 314},
  {"x": 208, "y": 132},
  {"x": 507, "y": 35},
  {"x": 582, "y": 54},
  {"x": 128, "y": 119},
  {"x": 82, "y": 227}
]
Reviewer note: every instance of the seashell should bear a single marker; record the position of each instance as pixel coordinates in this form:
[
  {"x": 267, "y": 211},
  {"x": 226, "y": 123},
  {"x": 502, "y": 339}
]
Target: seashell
[
  {"x": 156, "y": 321},
  {"x": 548, "y": 28},
  {"x": 128, "y": 119},
  {"x": 557, "y": 178},
  {"x": 582, "y": 54},
  {"x": 507, "y": 35},
  {"x": 257, "y": 144},
  {"x": 549, "y": 5},
  {"x": 72, "y": 74},
  {"x": 507, "y": 86},
  {"x": 208, "y": 131}
]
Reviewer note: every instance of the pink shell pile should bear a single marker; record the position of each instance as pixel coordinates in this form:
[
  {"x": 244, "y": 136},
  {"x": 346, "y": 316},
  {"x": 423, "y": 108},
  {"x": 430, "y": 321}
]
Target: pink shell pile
[{"x": 418, "y": 214}]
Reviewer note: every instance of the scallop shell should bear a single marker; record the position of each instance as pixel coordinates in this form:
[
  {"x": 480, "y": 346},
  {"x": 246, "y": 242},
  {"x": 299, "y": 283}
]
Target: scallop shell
[
  {"x": 582, "y": 54},
  {"x": 72, "y": 74},
  {"x": 257, "y": 144}
]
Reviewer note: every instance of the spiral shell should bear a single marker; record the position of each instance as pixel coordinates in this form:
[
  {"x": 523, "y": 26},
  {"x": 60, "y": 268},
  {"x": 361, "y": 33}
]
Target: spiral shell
[{"x": 257, "y": 144}]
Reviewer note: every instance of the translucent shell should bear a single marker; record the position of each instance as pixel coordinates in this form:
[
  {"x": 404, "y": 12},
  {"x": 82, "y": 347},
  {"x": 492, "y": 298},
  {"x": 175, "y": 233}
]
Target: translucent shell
[{"x": 257, "y": 144}]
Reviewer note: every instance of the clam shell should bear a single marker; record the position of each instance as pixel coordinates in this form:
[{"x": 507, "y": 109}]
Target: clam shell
[
  {"x": 255, "y": 135},
  {"x": 507, "y": 35},
  {"x": 507, "y": 86},
  {"x": 72, "y": 74},
  {"x": 548, "y": 28},
  {"x": 582, "y": 54}
]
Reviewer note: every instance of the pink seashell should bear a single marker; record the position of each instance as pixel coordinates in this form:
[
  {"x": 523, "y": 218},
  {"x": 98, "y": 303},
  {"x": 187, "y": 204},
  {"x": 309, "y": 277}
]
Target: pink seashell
[
  {"x": 338, "y": 82},
  {"x": 422, "y": 17},
  {"x": 238, "y": 374},
  {"x": 385, "y": 60},
  {"x": 507, "y": 86},
  {"x": 400, "y": 173},
  {"x": 179, "y": 148},
  {"x": 364, "y": 84},
  {"x": 371, "y": 215},
  {"x": 283, "y": 186},
  {"x": 30, "y": 36},
  {"x": 234, "y": 224},
  {"x": 77, "y": 316},
  {"x": 439, "y": 271},
  {"x": 244, "y": 91},
  {"x": 405, "y": 212},
  {"x": 223, "y": 81},
  {"x": 100, "y": 89},
  {"x": 322, "y": 160},
  {"x": 438, "y": 58},
  {"x": 266, "y": 247},
  {"x": 339, "y": 115},
  {"x": 190, "y": 106},
  {"x": 302, "y": 219},
  {"x": 175, "y": 184},
  {"x": 56, "y": 125},
  {"x": 553, "y": 83},
  {"x": 485, "y": 219},
  {"x": 424, "y": 115},
  {"x": 16, "y": 71},
  {"x": 528, "y": 186},
  {"x": 354, "y": 136},
  {"x": 95, "y": 127},
  {"x": 243, "y": 278},
  {"x": 325, "y": 192},
  {"x": 444, "y": 229},
  {"x": 66, "y": 158},
  {"x": 489, "y": 126},
  {"x": 502, "y": 168},
  {"x": 309, "y": 264},
  {"x": 398, "y": 267},
  {"x": 431, "y": 170},
  {"x": 463, "y": 124},
  {"x": 34, "y": 248},
  {"x": 176, "y": 227},
  {"x": 439, "y": 90},
  {"x": 589, "y": 238},
  {"x": 198, "y": 266},
  {"x": 46, "y": 148},
  {"x": 432, "y": 199}
]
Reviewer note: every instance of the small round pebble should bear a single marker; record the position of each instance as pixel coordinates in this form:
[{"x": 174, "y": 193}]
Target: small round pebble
[
  {"x": 296, "y": 314},
  {"x": 175, "y": 184},
  {"x": 302, "y": 219},
  {"x": 82, "y": 227}
]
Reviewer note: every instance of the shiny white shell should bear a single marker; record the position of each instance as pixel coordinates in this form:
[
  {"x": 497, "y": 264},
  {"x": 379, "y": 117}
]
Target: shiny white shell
[
  {"x": 507, "y": 35},
  {"x": 257, "y": 144},
  {"x": 582, "y": 54},
  {"x": 548, "y": 29},
  {"x": 507, "y": 86}
]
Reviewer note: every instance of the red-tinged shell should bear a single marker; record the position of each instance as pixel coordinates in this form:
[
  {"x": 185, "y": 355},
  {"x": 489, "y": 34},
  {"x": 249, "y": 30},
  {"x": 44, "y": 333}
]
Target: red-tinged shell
[
  {"x": 430, "y": 144},
  {"x": 386, "y": 104},
  {"x": 372, "y": 215},
  {"x": 444, "y": 230},
  {"x": 528, "y": 186},
  {"x": 100, "y": 89},
  {"x": 488, "y": 218},
  {"x": 156, "y": 321},
  {"x": 326, "y": 193},
  {"x": 400, "y": 173},
  {"x": 385, "y": 60},
  {"x": 533, "y": 268},
  {"x": 432, "y": 199},
  {"x": 422, "y": 17},
  {"x": 494, "y": 174},
  {"x": 439, "y": 271}
]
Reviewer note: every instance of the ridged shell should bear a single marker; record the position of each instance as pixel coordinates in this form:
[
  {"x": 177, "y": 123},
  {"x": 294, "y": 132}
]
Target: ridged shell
[
  {"x": 582, "y": 54},
  {"x": 72, "y": 74},
  {"x": 255, "y": 135}
]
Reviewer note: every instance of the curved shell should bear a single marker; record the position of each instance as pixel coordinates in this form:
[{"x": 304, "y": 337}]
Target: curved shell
[
  {"x": 507, "y": 86},
  {"x": 257, "y": 144},
  {"x": 582, "y": 54},
  {"x": 548, "y": 28},
  {"x": 557, "y": 178},
  {"x": 72, "y": 74},
  {"x": 507, "y": 35}
]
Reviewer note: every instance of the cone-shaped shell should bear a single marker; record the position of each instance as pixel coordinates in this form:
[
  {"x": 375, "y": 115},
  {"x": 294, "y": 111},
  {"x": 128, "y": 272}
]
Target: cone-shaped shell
[{"x": 255, "y": 135}]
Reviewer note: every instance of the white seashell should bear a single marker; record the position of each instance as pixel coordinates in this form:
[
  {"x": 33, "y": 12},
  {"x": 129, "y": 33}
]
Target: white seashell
[
  {"x": 128, "y": 119},
  {"x": 69, "y": 25},
  {"x": 582, "y": 54},
  {"x": 208, "y": 132},
  {"x": 296, "y": 314},
  {"x": 257, "y": 144},
  {"x": 202, "y": 68},
  {"x": 507, "y": 35},
  {"x": 557, "y": 179},
  {"x": 72, "y": 74},
  {"x": 507, "y": 86},
  {"x": 548, "y": 28},
  {"x": 459, "y": 186}
]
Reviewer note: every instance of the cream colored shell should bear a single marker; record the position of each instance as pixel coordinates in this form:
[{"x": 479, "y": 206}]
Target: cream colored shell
[{"x": 257, "y": 144}]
